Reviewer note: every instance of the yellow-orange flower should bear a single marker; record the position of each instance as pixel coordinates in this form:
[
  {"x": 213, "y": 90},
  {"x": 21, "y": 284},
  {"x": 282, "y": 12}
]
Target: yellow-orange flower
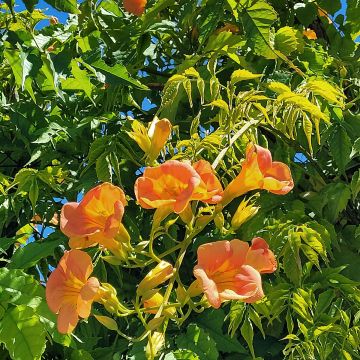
[
  {"x": 259, "y": 172},
  {"x": 136, "y": 7},
  {"x": 173, "y": 184},
  {"x": 151, "y": 141},
  {"x": 158, "y": 133},
  {"x": 70, "y": 291},
  {"x": 213, "y": 185},
  {"x": 231, "y": 270},
  {"x": 96, "y": 219},
  {"x": 310, "y": 34}
]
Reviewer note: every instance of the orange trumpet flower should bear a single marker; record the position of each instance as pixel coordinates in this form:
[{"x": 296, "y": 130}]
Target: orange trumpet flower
[
  {"x": 259, "y": 172},
  {"x": 96, "y": 219},
  {"x": 231, "y": 270},
  {"x": 173, "y": 184},
  {"x": 136, "y": 7},
  {"x": 69, "y": 290}
]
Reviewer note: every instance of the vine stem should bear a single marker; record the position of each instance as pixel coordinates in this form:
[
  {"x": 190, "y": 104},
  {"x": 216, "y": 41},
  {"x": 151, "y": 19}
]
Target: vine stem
[{"x": 189, "y": 236}]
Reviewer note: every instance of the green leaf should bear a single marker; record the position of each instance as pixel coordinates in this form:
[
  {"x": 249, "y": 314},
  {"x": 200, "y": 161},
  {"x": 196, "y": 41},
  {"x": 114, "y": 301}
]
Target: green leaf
[
  {"x": 212, "y": 322},
  {"x": 69, "y": 6},
  {"x": 22, "y": 333},
  {"x": 18, "y": 288},
  {"x": 278, "y": 87},
  {"x": 340, "y": 147},
  {"x": 257, "y": 18},
  {"x": 5, "y": 243},
  {"x": 209, "y": 18},
  {"x": 243, "y": 74},
  {"x": 327, "y": 91},
  {"x": 80, "y": 81},
  {"x": 21, "y": 69},
  {"x": 291, "y": 258},
  {"x": 28, "y": 255},
  {"x": 355, "y": 184},
  {"x": 103, "y": 168},
  {"x": 236, "y": 315},
  {"x": 337, "y": 197},
  {"x": 247, "y": 333},
  {"x": 288, "y": 40},
  {"x": 181, "y": 355},
  {"x": 34, "y": 193},
  {"x": 324, "y": 301},
  {"x": 308, "y": 130},
  {"x": 198, "y": 341},
  {"x": 117, "y": 75},
  {"x": 81, "y": 355},
  {"x": 303, "y": 103},
  {"x": 301, "y": 307},
  {"x": 353, "y": 16}
]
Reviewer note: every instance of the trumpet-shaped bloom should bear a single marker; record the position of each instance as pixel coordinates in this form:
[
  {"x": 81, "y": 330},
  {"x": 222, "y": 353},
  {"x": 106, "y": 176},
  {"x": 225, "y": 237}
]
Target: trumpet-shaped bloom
[
  {"x": 158, "y": 133},
  {"x": 96, "y": 219},
  {"x": 259, "y": 172},
  {"x": 152, "y": 140},
  {"x": 70, "y": 291},
  {"x": 136, "y": 7},
  {"x": 231, "y": 270},
  {"x": 173, "y": 184},
  {"x": 212, "y": 183}
]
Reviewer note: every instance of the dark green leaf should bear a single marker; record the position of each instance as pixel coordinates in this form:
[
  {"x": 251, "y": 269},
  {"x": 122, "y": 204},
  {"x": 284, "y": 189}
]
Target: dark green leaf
[
  {"x": 28, "y": 255},
  {"x": 69, "y": 6}
]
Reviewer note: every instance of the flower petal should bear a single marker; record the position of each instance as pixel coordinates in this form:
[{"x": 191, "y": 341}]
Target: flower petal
[
  {"x": 78, "y": 264},
  {"x": 209, "y": 287},
  {"x": 221, "y": 256},
  {"x": 260, "y": 257},
  {"x": 67, "y": 319},
  {"x": 74, "y": 223},
  {"x": 212, "y": 183},
  {"x": 280, "y": 173},
  {"x": 86, "y": 297},
  {"x": 136, "y": 7},
  {"x": 248, "y": 284}
]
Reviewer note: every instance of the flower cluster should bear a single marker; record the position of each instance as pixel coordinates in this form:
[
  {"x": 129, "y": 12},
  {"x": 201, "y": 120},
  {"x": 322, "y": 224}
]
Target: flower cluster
[{"x": 225, "y": 270}]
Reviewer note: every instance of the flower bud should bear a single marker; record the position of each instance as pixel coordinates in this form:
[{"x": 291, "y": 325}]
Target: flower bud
[
  {"x": 54, "y": 20},
  {"x": 162, "y": 272},
  {"x": 107, "y": 296},
  {"x": 158, "y": 133},
  {"x": 108, "y": 322},
  {"x": 243, "y": 213}
]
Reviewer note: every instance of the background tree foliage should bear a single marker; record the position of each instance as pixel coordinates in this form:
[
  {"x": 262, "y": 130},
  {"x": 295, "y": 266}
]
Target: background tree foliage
[{"x": 223, "y": 72}]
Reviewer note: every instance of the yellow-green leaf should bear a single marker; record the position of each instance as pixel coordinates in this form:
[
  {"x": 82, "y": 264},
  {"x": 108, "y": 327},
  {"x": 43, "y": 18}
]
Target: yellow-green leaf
[{"x": 243, "y": 74}]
